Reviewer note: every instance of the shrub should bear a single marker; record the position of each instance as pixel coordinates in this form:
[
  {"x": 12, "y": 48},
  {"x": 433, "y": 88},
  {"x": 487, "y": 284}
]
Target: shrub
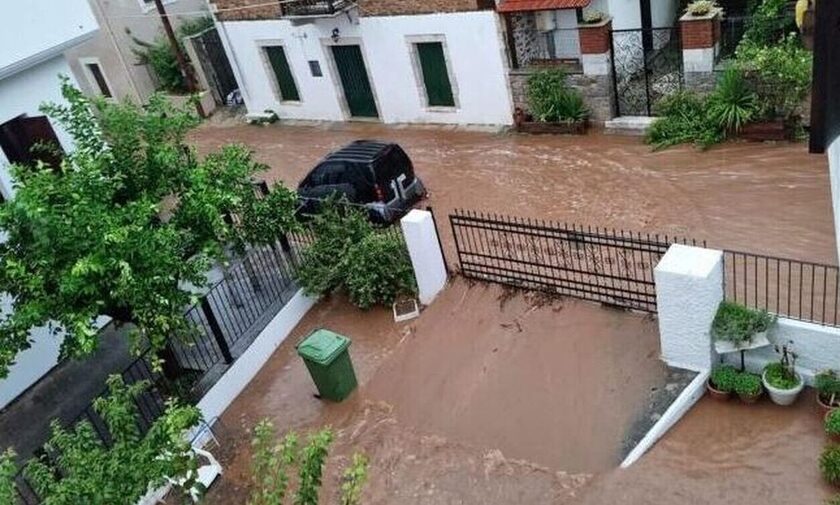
[
  {"x": 551, "y": 100},
  {"x": 733, "y": 103},
  {"x": 738, "y": 324},
  {"x": 830, "y": 464},
  {"x": 373, "y": 266},
  {"x": 159, "y": 55},
  {"x": 8, "y": 470},
  {"x": 768, "y": 23},
  {"x": 378, "y": 270},
  {"x": 724, "y": 378},
  {"x": 832, "y": 422},
  {"x": 827, "y": 385},
  {"x": 682, "y": 120},
  {"x": 592, "y": 17},
  {"x": 780, "y": 74},
  {"x": 834, "y": 500},
  {"x": 778, "y": 378},
  {"x": 747, "y": 384}
]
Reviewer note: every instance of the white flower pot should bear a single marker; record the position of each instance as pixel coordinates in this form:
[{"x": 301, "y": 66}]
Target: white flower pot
[{"x": 783, "y": 396}]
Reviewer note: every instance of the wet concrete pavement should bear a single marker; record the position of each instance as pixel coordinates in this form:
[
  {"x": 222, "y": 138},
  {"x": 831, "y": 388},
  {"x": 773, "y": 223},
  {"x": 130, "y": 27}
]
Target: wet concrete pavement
[{"x": 763, "y": 198}]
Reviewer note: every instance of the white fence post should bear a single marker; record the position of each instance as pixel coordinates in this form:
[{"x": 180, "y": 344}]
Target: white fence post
[
  {"x": 689, "y": 288},
  {"x": 421, "y": 237}
]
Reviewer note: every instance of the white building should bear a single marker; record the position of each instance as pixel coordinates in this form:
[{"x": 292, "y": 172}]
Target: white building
[
  {"x": 394, "y": 62},
  {"x": 33, "y": 37}
]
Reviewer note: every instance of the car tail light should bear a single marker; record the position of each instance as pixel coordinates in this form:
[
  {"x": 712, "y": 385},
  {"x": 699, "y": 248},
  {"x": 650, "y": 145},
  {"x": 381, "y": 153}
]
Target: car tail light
[{"x": 380, "y": 195}]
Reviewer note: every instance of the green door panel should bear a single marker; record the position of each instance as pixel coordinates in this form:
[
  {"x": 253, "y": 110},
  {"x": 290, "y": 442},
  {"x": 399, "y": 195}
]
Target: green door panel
[
  {"x": 283, "y": 73},
  {"x": 435, "y": 74},
  {"x": 354, "y": 81}
]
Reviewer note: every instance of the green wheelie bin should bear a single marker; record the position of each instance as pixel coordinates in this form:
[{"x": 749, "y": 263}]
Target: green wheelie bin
[{"x": 327, "y": 357}]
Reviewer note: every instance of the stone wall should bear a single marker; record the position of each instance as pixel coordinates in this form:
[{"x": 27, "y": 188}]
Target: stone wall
[
  {"x": 699, "y": 82},
  {"x": 597, "y": 91},
  {"x": 256, "y": 10}
]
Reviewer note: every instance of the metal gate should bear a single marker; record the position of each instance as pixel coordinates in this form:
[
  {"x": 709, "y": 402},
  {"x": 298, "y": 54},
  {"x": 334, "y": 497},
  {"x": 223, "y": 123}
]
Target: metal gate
[
  {"x": 607, "y": 266},
  {"x": 647, "y": 65},
  {"x": 214, "y": 63}
]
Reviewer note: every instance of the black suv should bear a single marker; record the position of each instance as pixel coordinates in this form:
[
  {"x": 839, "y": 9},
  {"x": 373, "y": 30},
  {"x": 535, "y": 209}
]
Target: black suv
[{"x": 376, "y": 175}]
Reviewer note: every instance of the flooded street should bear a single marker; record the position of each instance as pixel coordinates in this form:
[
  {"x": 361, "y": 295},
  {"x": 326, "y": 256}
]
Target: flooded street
[{"x": 763, "y": 198}]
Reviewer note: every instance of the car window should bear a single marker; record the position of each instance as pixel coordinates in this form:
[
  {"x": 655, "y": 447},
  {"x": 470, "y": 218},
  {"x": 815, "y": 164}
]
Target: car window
[{"x": 329, "y": 173}]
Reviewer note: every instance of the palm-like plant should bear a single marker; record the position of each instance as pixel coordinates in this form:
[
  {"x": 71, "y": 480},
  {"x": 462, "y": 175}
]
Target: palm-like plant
[{"x": 733, "y": 103}]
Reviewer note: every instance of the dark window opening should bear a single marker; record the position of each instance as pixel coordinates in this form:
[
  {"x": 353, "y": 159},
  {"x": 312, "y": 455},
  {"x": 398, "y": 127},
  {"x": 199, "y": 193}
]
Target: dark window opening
[
  {"x": 315, "y": 68},
  {"x": 25, "y": 140},
  {"x": 101, "y": 83},
  {"x": 283, "y": 73},
  {"x": 435, "y": 74}
]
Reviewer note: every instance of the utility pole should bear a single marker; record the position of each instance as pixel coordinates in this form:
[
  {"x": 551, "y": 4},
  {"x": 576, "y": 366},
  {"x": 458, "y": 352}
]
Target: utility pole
[{"x": 185, "y": 67}]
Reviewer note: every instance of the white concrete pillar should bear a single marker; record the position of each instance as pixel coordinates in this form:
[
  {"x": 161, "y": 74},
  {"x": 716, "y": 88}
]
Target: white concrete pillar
[
  {"x": 421, "y": 237},
  {"x": 689, "y": 288}
]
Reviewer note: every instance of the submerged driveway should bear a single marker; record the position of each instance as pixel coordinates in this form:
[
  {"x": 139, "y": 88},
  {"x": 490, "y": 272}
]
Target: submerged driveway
[{"x": 765, "y": 198}]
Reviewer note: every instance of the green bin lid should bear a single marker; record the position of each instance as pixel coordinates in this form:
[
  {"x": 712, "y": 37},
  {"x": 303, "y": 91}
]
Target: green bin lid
[{"x": 322, "y": 346}]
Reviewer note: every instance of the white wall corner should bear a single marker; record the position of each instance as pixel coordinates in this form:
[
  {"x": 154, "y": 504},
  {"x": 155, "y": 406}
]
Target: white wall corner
[
  {"x": 596, "y": 64},
  {"x": 699, "y": 60},
  {"x": 833, "y": 153},
  {"x": 421, "y": 238},
  {"x": 689, "y": 288}
]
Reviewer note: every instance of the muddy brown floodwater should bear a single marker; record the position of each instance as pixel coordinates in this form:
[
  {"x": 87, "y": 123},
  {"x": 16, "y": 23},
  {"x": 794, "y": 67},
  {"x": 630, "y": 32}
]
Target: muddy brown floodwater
[{"x": 763, "y": 198}]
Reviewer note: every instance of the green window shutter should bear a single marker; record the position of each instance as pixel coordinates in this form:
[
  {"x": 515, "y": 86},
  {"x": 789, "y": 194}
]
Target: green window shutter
[
  {"x": 435, "y": 74},
  {"x": 283, "y": 73}
]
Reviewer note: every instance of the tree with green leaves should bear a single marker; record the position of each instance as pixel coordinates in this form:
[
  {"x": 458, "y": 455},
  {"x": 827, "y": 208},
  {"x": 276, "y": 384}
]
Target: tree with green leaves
[
  {"x": 271, "y": 462},
  {"x": 127, "y": 225},
  {"x": 83, "y": 469}
]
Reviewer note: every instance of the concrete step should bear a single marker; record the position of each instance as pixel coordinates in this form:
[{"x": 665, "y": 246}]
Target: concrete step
[{"x": 628, "y": 125}]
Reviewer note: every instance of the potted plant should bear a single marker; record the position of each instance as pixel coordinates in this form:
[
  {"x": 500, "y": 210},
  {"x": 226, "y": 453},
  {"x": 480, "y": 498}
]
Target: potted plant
[
  {"x": 827, "y": 385},
  {"x": 830, "y": 464},
  {"x": 721, "y": 382},
  {"x": 593, "y": 17},
  {"x": 748, "y": 387},
  {"x": 555, "y": 107},
  {"x": 780, "y": 379},
  {"x": 832, "y": 424},
  {"x": 736, "y": 327},
  {"x": 703, "y": 8}
]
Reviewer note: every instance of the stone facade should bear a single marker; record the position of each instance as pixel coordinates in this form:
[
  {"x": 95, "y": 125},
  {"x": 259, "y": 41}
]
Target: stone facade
[
  {"x": 366, "y": 8},
  {"x": 597, "y": 91}
]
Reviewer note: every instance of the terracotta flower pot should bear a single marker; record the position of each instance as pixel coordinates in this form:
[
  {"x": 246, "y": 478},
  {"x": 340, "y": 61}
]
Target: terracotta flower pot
[
  {"x": 824, "y": 407},
  {"x": 717, "y": 394}
]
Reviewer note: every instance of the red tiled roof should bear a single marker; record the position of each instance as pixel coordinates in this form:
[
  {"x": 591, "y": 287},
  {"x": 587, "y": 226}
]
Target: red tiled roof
[{"x": 541, "y": 5}]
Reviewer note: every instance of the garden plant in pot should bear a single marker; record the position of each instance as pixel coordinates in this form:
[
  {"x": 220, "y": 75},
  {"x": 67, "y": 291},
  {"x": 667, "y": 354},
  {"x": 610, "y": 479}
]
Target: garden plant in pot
[
  {"x": 748, "y": 387},
  {"x": 780, "y": 379},
  {"x": 827, "y": 384},
  {"x": 832, "y": 424},
  {"x": 737, "y": 328},
  {"x": 555, "y": 106},
  {"x": 722, "y": 382},
  {"x": 830, "y": 464}
]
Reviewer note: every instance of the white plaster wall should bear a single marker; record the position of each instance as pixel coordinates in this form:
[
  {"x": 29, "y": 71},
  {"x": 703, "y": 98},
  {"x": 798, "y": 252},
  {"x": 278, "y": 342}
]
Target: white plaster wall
[
  {"x": 31, "y": 364},
  {"x": 423, "y": 245},
  {"x": 23, "y": 93},
  {"x": 818, "y": 348},
  {"x": 833, "y": 153},
  {"x": 246, "y": 367},
  {"x": 626, "y": 14},
  {"x": 35, "y": 29},
  {"x": 663, "y": 13},
  {"x": 473, "y": 42},
  {"x": 689, "y": 288},
  {"x": 699, "y": 60}
]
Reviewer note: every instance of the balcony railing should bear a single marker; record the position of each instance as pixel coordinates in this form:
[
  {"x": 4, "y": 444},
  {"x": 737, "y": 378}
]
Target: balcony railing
[{"x": 313, "y": 8}]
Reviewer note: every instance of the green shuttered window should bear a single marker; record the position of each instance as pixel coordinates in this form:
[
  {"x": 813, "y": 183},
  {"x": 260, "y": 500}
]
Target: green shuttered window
[
  {"x": 285, "y": 82},
  {"x": 435, "y": 74}
]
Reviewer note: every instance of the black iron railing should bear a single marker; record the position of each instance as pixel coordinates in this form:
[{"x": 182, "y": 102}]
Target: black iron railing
[
  {"x": 313, "y": 7},
  {"x": 790, "y": 288},
  {"x": 611, "y": 266}
]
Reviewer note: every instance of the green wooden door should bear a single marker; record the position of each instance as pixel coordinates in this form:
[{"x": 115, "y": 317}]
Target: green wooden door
[
  {"x": 435, "y": 74},
  {"x": 354, "y": 81},
  {"x": 283, "y": 73}
]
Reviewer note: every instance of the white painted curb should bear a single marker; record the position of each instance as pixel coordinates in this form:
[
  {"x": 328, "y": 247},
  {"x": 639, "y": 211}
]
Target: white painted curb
[{"x": 689, "y": 396}]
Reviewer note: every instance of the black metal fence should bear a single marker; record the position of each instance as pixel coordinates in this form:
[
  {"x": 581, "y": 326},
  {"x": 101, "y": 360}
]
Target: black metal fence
[
  {"x": 794, "y": 289},
  {"x": 610, "y": 266}
]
